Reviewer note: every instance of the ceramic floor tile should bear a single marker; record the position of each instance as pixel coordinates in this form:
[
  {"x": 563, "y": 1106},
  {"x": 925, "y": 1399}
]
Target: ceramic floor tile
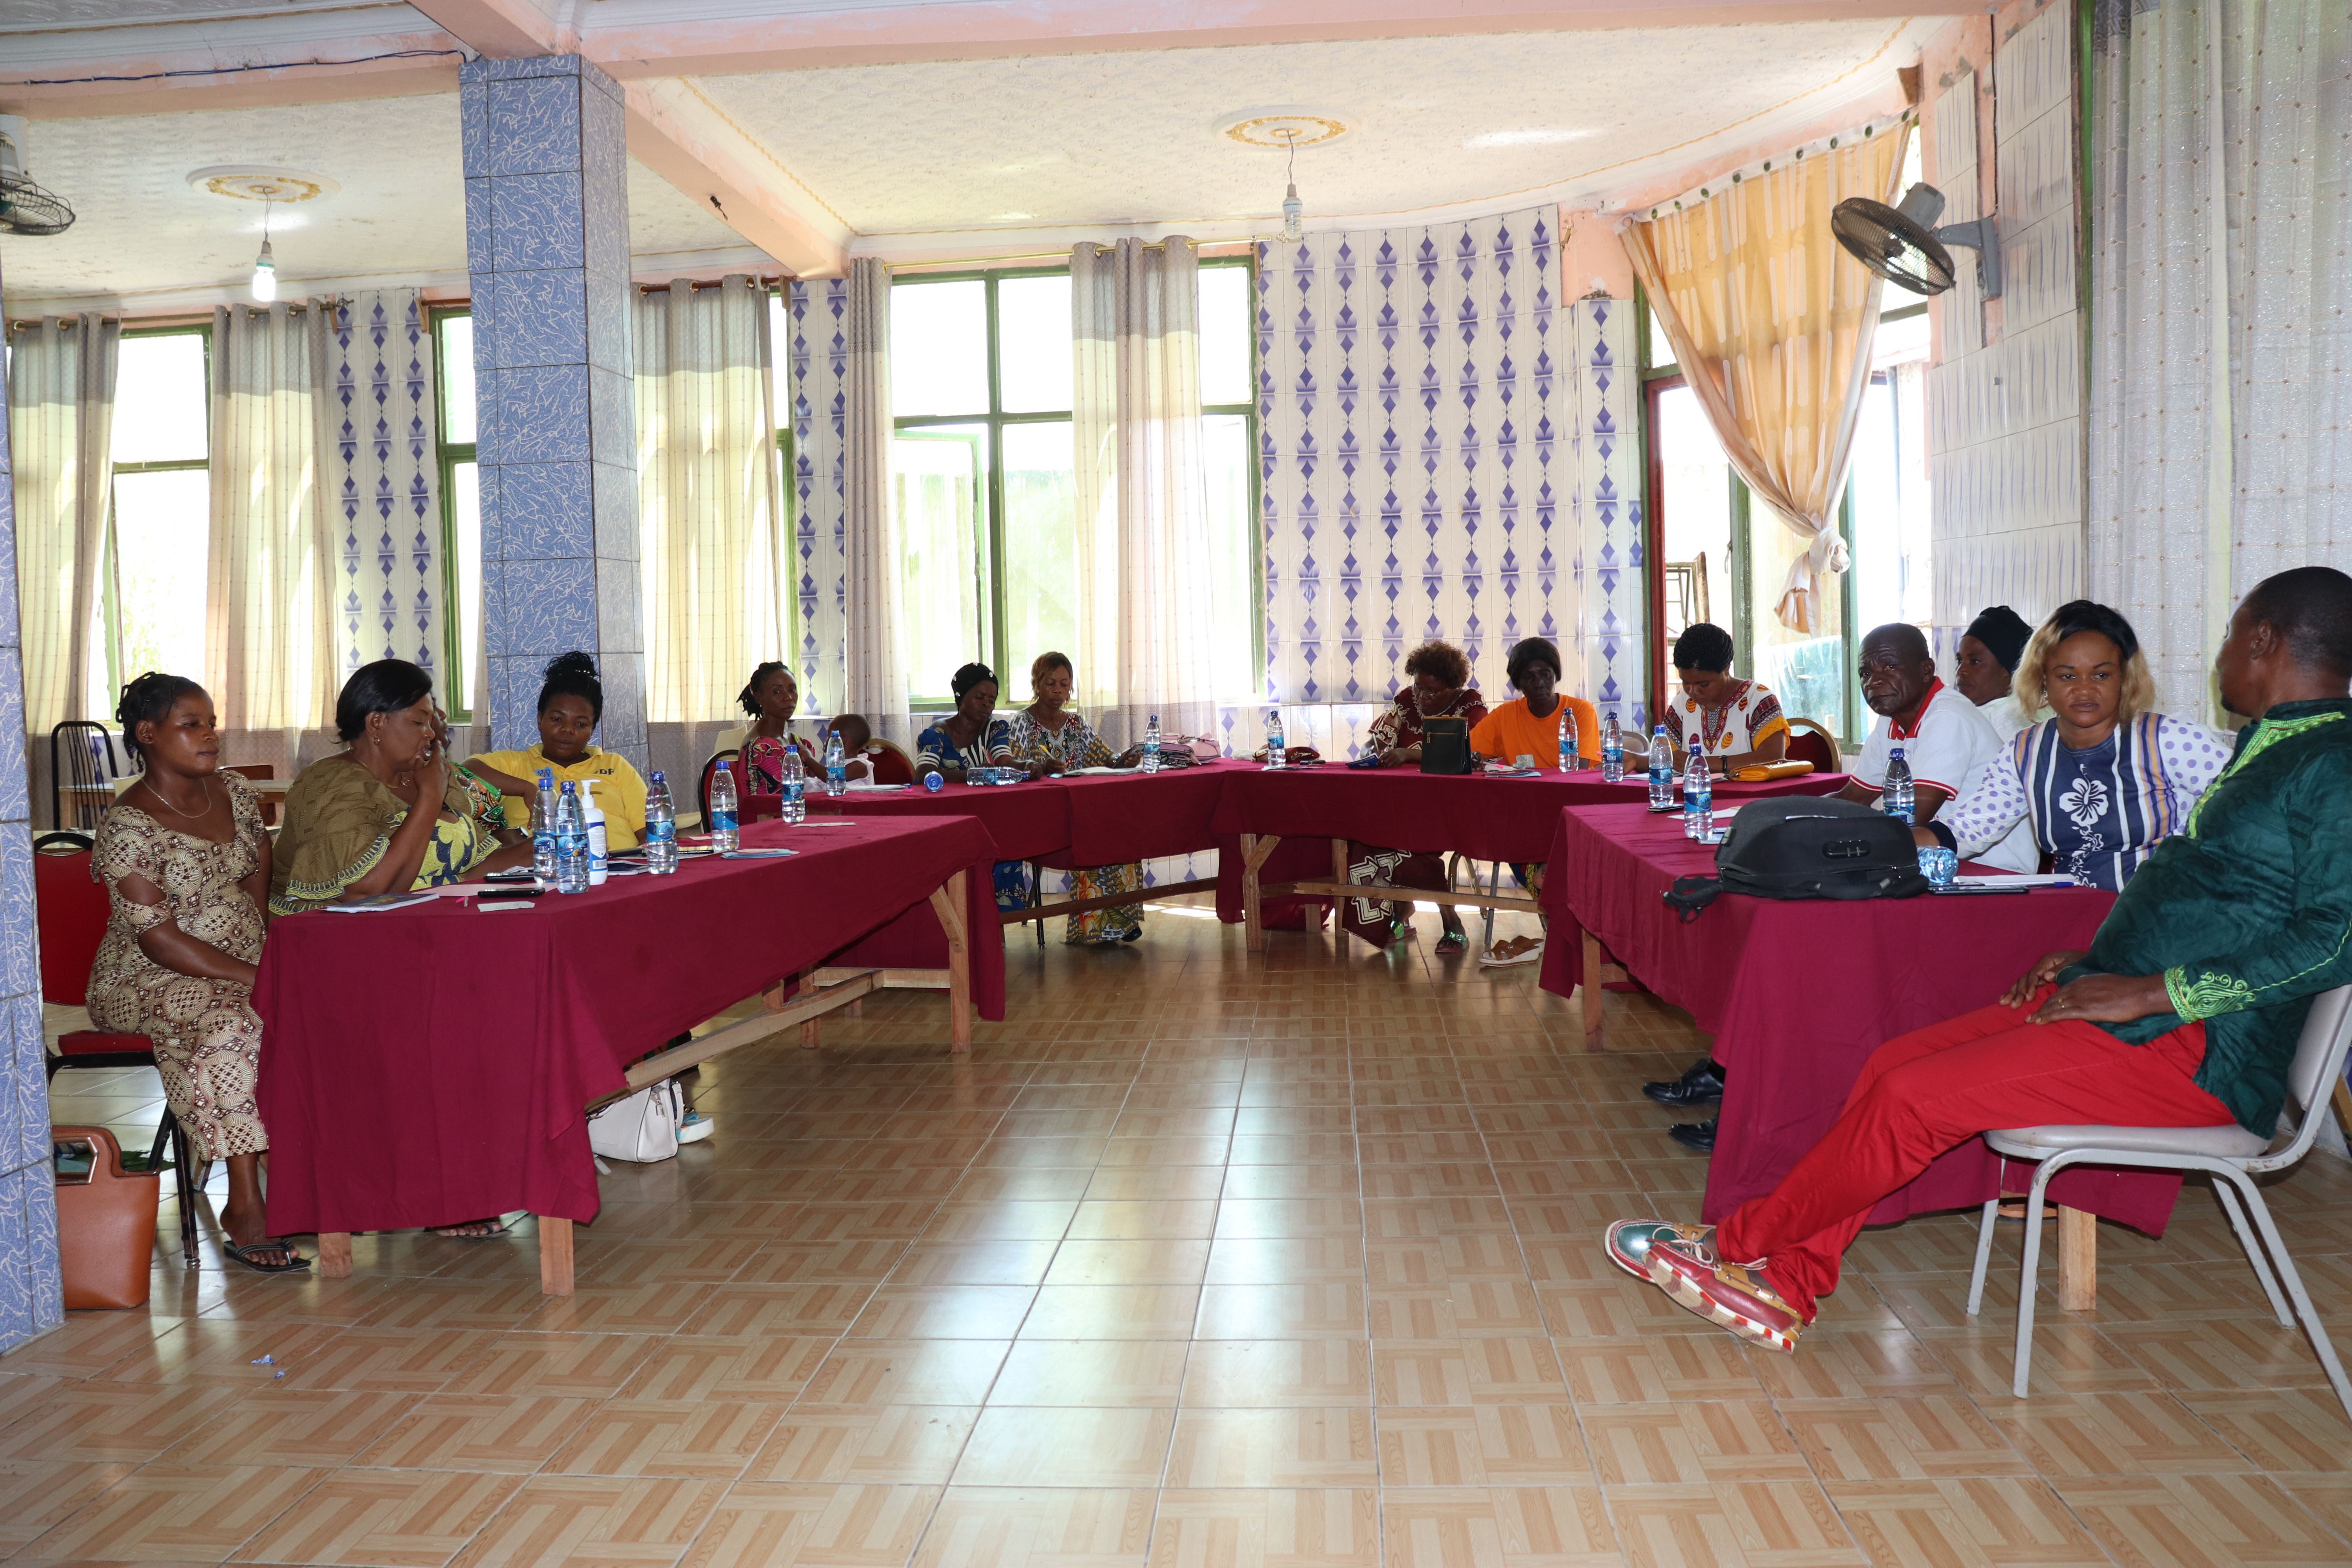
[
  {"x": 709, "y": 1437},
  {"x": 1031, "y": 1445},
  {"x": 384, "y": 1518},
  {"x": 1494, "y": 1527},
  {"x": 1113, "y": 1312},
  {"x": 278, "y": 1426},
  {"x": 866, "y": 1372},
  {"x": 1092, "y": 1372},
  {"x": 943, "y": 1312},
  {"x": 1980, "y": 1522},
  {"x": 1266, "y": 1529},
  {"x": 2200, "y": 1519},
  {"x": 1293, "y": 1447},
  {"x": 1691, "y": 1443},
  {"x": 1282, "y": 1311},
  {"x": 1145, "y": 1220},
  {"x": 1735, "y": 1524},
  {"x": 2285, "y": 1430},
  {"x": 1156, "y": 1262},
  {"x": 721, "y": 1366},
  {"x": 199, "y": 1512},
  {"x": 807, "y": 1308},
  {"x": 116, "y": 1422},
  {"x": 38, "y": 1494},
  {"x": 2128, "y": 1434},
  {"x": 515, "y": 1435},
  {"x": 569, "y": 1366},
  {"x": 579, "y": 1519},
  {"x": 892, "y": 1444},
  {"x": 805, "y": 1526},
  {"x": 1031, "y": 1527}
]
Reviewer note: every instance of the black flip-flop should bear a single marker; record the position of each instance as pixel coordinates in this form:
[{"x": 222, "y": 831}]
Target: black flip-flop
[
  {"x": 497, "y": 1222},
  {"x": 295, "y": 1262}
]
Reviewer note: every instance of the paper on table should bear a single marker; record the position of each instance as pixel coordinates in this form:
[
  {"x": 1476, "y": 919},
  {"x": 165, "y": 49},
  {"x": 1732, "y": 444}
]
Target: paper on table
[
  {"x": 1068, "y": 773},
  {"x": 1997, "y": 880},
  {"x": 394, "y": 900}
]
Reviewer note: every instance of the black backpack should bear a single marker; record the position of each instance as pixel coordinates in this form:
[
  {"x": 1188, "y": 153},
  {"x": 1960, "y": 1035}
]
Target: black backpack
[{"x": 1807, "y": 847}]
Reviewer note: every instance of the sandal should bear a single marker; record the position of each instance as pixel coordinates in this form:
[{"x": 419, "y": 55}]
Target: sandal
[
  {"x": 295, "y": 1262},
  {"x": 463, "y": 1231},
  {"x": 2014, "y": 1208},
  {"x": 1454, "y": 941}
]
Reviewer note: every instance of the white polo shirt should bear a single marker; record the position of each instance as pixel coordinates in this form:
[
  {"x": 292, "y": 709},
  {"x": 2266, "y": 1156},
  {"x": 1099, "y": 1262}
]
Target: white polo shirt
[{"x": 1953, "y": 741}]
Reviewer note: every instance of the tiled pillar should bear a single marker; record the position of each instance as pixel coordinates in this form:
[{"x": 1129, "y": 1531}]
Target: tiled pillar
[
  {"x": 30, "y": 1300},
  {"x": 547, "y": 242},
  {"x": 1605, "y": 403}
]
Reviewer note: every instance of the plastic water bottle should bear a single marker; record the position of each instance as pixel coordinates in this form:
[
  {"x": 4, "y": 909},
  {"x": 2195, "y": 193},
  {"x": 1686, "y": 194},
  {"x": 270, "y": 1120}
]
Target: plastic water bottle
[
  {"x": 1896, "y": 797},
  {"x": 1568, "y": 762},
  {"x": 1662, "y": 771},
  {"x": 661, "y": 828},
  {"x": 795, "y": 785},
  {"x": 1275, "y": 749},
  {"x": 933, "y": 780},
  {"x": 722, "y": 825},
  {"x": 571, "y": 842},
  {"x": 1699, "y": 798},
  {"x": 836, "y": 767},
  {"x": 542, "y": 828},
  {"x": 600, "y": 859},
  {"x": 1151, "y": 745},
  {"x": 1612, "y": 750}
]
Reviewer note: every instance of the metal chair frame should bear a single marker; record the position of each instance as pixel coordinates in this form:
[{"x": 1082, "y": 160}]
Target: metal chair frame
[{"x": 87, "y": 749}]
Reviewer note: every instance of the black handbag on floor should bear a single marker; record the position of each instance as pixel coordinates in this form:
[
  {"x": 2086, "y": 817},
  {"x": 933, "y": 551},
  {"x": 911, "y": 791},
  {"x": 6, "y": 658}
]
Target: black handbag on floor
[{"x": 1807, "y": 847}]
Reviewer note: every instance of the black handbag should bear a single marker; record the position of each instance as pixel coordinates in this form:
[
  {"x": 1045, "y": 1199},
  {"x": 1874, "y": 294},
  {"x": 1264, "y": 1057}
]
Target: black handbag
[
  {"x": 1807, "y": 847},
  {"x": 1445, "y": 745}
]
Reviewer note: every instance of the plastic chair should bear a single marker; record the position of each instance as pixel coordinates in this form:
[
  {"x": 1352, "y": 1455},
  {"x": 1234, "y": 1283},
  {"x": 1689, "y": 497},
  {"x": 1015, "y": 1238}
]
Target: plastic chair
[
  {"x": 891, "y": 765},
  {"x": 1812, "y": 742},
  {"x": 82, "y": 759},
  {"x": 71, "y": 908},
  {"x": 702, "y": 795},
  {"x": 2231, "y": 1153}
]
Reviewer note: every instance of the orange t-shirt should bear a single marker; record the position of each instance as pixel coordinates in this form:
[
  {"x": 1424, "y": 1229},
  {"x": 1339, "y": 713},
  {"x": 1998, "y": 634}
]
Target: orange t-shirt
[{"x": 1510, "y": 730}]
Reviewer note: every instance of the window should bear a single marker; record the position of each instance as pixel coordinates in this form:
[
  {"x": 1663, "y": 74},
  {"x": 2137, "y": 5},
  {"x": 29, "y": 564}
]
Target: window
[
  {"x": 461, "y": 507},
  {"x": 159, "y": 541},
  {"x": 983, "y": 473}
]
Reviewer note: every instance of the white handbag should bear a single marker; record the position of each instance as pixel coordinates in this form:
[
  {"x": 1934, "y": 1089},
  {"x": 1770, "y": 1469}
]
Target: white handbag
[{"x": 641, "y": 1128}]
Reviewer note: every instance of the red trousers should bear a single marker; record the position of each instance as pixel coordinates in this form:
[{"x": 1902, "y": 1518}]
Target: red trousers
[{"x": 1930, "y": 1090}]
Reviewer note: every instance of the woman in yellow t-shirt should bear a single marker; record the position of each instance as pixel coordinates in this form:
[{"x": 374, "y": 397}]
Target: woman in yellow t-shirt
[{"x": 571, "y": 704}]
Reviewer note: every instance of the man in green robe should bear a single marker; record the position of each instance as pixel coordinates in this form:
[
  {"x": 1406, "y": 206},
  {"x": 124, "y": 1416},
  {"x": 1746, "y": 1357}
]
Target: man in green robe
[{"x": 2184, "y": 1013}]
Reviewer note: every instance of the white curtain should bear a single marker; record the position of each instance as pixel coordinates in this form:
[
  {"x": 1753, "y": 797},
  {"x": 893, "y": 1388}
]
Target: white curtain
[
  {"x": 269, "y": 630},
  {"x": 710, "y": 497},
  {"x": 61, "y": 430},
  {"x": 1144, "y": 561},
  {"x": 875, "y": 679}
]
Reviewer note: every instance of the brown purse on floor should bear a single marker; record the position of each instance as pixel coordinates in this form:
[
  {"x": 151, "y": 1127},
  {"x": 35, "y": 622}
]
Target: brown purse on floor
[{"x": 106, "y": 1220}]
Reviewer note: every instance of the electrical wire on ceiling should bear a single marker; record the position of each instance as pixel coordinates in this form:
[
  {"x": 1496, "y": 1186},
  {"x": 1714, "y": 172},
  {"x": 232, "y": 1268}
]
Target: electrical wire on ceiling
[{"x": 232, "y": 71}]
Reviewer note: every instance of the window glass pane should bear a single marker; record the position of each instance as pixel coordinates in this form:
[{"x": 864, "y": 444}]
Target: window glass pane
[
  {"x": 1033, "y": 347},
  {"x": 1661, "y": 353},
  {"x": 937, "y": 481},
  {"x": 1807, "y": 670},
  {"x": 161, "y": 527},
  {"x": 1233, "y": 609},
  {"x": 159, "y": 401},
  {"x": 457, "y": 378},
  {"x": 466, "y": 514},
  {"x": 779, "y": 359},
  {"x": 1694, "y": 505},
  {"x": 939, "y": 348},
  {"x": 1041, "y": 581},
  {"x": 1225, "y": 334}
]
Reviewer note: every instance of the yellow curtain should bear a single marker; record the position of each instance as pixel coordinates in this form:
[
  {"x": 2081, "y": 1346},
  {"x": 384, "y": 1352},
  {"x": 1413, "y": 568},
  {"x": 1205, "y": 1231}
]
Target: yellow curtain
[{"x": 1772, "y": 321}]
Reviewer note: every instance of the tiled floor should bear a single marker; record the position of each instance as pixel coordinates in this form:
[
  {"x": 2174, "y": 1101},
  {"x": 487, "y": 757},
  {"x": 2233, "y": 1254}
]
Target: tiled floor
[{"x": 1199, "y": 1259}]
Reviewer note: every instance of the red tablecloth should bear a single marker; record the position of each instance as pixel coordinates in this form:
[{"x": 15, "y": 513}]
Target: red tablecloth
[
  {"x": 1798, "y": 995},
  {"x": 415, "y": 1071},
  {"x": 1115, "y": 818}
]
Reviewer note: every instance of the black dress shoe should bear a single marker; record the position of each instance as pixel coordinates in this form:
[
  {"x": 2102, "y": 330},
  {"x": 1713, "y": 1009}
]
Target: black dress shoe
[
  {"x": 1703, "y": 1085},
  {"x": 1698, "y": 1136}
]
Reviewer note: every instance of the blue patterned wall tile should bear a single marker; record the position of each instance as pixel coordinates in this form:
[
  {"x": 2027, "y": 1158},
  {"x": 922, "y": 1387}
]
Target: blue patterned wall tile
[
  {"x": 494, "y": 594},
  {"x": 613, "y": 418},
  {"x": 492, "y": 511},
  {"x": 473, "y": 124},
  {"x": 14, "y": 805},
  {"x": 20, "y": 962},
  {"x": 32, "y": 1301},
  {"x": 512, "y": 693},
  {"x": 488, "y": 352},
  {"x": 525, "y": 68},
  {"x": 620, "y": 608},
  {"x": 625, "y": 702},
  {"x": 535, "y": 222},
  {"x": 547, "y": 512},
  {"x": 593, "y": 77},
  {"x": 550, "y": 606},
  {"x": 618, "y": 535},
  {"x": 479, "y": 229},
  {"x": 24, "y": 1092},
  {"x": 534, "y": 127},
  {"x": 540, "y": 414},
  {"x": 542, "y": 317},
  {"x": 611, "y": 333},
  {"x": 11, "y": 629}
]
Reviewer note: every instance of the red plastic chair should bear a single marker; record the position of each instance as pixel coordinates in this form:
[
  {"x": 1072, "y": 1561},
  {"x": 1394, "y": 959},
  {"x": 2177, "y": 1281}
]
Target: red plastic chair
[
  {"x": 892, "y": 765},
  {"x": 1810, "y": 741},
  {"x": 70, "y": 908}
]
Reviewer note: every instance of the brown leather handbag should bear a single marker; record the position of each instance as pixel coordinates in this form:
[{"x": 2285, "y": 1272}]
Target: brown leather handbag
[{"x": 106, "y": 1220}]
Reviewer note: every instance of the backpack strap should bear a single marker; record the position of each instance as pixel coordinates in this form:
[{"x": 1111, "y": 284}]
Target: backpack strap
[{"x": 1691, "y": 894}]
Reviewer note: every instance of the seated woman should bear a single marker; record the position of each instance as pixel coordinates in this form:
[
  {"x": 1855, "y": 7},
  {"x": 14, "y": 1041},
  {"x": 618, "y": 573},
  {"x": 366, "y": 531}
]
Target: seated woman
[
  {"x": 771, "y": 696},
  {"x": 1439, "y": 689},
  {"x": 1529, "y": 726},
  {"x": 1733, "y": 723},
  {"x": 972, "y": 736},
  {"x": 186, "y": 867},
  {"x": 570, "y": 705},
  {"x": 351, "y": 827},
  {"x": 2103, "y": 781},
  {"x": 1048, "y": 737}
]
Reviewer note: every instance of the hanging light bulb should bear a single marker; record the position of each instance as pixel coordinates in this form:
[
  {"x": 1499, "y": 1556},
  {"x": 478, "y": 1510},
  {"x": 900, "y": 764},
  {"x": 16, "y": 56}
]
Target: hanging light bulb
[
  {"x": 1291, "y": 206},
  {"x": 265, "y": 265}
]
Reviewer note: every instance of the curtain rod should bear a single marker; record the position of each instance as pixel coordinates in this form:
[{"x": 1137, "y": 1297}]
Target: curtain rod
[{"x": 757, "y": 279}]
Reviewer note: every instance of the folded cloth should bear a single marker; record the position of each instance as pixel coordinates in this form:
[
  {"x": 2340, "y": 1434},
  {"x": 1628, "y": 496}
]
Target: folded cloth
[
  {"x": 1756, "y": 773},
  {"x": 1293, "y": 755}
]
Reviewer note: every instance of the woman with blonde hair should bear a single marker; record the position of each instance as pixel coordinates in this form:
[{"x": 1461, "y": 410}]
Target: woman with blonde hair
[{"x": 2103, "y": 780}]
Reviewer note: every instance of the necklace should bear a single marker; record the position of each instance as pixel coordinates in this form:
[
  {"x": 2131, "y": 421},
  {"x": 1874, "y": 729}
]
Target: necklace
[{"x": 192, "y": 815}]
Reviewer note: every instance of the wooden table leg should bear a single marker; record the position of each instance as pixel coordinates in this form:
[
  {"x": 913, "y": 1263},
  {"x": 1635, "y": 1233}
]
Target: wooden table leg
[
  {"x": 1338, "y": 905},
  {"x": 1591, "y": 995},
  {"x": 334, "y": 1254},
  {"x": 2078, "y": 1259},
  {"x": 554, "y": 1256},
  {"x": 811, "y": 1032},
  {"x": 947, "y": 904},
  {"x": 1255, "y": 852}
]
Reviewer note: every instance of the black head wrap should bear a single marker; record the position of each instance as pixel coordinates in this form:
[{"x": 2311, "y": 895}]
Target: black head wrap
[{"x": 2004, "y": 632}]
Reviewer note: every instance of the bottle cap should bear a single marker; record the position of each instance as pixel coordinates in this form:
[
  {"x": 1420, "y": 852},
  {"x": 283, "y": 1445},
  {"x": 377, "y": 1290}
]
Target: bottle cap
[{"x": 657, "y": 776}]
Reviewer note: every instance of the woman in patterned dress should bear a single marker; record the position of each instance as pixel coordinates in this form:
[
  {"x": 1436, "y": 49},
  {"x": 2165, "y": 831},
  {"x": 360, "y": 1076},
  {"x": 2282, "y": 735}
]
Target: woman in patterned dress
[
  {"x": 186, "y": 867},
  {"x": 1733, "y": 723},
  {"x": 973, "y": 737},
  {"x": 1049, "y": 738},
  {"x": 1439, "y": 688},
  {"x": 771, "y": 696}
]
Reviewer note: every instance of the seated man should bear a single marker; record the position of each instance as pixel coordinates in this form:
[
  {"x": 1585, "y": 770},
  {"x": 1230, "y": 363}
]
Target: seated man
[{"x": 2184, "y": 1013}]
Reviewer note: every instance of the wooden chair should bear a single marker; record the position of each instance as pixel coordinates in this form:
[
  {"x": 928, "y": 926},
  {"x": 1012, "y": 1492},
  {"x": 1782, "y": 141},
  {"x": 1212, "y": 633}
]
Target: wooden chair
[
  {"x": 1812, "y": 742},
  {"x": 70, "y": 912}
]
